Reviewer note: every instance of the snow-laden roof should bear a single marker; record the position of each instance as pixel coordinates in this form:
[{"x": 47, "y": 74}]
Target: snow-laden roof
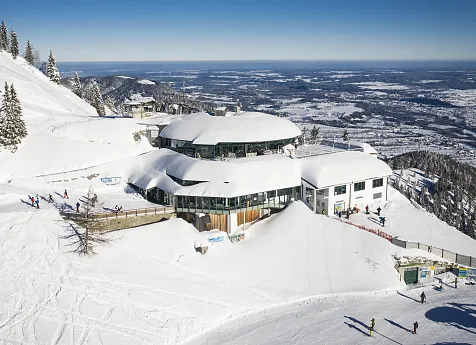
[
  {"x": 139, "y": 100},
  {"x": 221, "y": 178},
  {"x": 342, "y": 167},
  {"x": 159, "y": 119},
  {"x": 203, "y": 129}
]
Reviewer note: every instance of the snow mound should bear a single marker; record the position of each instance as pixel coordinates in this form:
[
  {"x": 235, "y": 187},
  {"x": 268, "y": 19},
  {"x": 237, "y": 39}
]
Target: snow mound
[{"x": 146, "y": 82}]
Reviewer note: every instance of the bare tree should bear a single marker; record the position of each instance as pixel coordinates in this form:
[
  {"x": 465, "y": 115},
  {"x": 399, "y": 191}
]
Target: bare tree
[{"x": 90, "y": 234}]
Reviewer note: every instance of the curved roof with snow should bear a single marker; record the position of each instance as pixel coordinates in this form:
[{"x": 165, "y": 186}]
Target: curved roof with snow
[
  {"x": 244, "y": 127},
  {"x": 219, "y": 178},
  {"x": 342, "y": 167}
]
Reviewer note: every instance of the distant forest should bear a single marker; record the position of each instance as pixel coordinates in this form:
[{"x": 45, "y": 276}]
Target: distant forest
[{"x": 454, "y": 194}]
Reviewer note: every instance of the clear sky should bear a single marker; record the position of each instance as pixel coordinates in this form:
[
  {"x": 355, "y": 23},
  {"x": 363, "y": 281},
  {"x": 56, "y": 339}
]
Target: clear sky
[{"x": 176, "y": 30}]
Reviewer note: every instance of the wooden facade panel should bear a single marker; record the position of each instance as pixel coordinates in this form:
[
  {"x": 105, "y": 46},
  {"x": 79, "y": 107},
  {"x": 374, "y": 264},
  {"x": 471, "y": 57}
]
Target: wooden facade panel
[
  {"x": 248, "y": 217},
  {"x": 218, "y": 221}
]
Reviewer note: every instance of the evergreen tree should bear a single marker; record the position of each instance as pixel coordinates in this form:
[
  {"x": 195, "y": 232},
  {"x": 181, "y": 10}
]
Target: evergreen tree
[
  {"x": 4, "y": 44},
  {"x": 13, "y": 127},
  {"x": 345, "y": 136},
  {"x": 97, "y": 101},
  {"x": 110, "y": 104},
  {"x": 52, "y": 71},
  {"x": 76, "y": 86},
  {"x": 314, "y": 134},
  {"x": 29, "y": 53},
  {"x": 14, "y": 44}
]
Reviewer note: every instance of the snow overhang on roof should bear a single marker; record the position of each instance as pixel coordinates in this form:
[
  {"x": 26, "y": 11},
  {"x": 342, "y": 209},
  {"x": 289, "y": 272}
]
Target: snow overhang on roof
[
  {"x": 159, "y": 119},
  {"x": 245, "y": 127},
  {"x": 220, "y": 178},
  {"x": 341, "y": 168}
]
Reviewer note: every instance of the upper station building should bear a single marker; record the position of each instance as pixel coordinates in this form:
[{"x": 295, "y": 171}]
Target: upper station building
[{"x": 222, "y": 171}]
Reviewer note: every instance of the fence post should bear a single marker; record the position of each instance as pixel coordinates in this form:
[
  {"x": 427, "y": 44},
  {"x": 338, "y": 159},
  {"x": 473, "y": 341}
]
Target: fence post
[
  {"x": 136, "y": 213},
  {"x": 155, "y": 210},
  {"x": 418, "y": 245},
  {"x": 146, "y": 212},
  {"x": 126, "y": 214},
  {"x": 456, "y": 257}
]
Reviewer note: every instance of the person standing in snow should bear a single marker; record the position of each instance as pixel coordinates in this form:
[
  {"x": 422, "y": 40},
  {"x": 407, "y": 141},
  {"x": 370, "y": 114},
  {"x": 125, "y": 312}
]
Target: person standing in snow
[
  {"x": 65, "y": 195},
  {"x": 382, "y": 221},
  {"x": 367, "y": 209},
  {"x": 339, "y": 214},
  {"x": 423, "y": 297},
  {"x": 372, "y": 324},
  {"x": 378, "y": 211},
  {"x": 50, "y": 198},
  {"x": 32, "y": 199},
  {"x": 456, "y": 282},
  {"x": 415, "y": 326},
  {"x": 77, "y": 206},
  {"x": 37, "y": 202}
]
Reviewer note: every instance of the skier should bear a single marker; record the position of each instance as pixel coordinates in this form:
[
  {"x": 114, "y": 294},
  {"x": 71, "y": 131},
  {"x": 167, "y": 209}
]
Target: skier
[
  {"x": 423, "y": 297},
  {"x": 50, "y": 198},
  {"x": 77, "y": 206},
  {"x": 415, "y": 326},
  {"x": 456, "y": 282},
  {"x": 339, "y": 214},
  {"x": 378, "y": 211},
  {"x": 372, "y": 324},
  {"x": 37, "y": 202},
  {"x": 382, "y": 221},
  {"x": 32, "y": 199},
  {"x": 65, "y": 195},
  {"x": 367, "y": 209}
]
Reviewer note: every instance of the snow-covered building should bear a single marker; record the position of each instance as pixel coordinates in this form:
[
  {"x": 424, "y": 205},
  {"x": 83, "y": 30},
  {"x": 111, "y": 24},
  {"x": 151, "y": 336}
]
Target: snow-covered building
[
  {"x": 228, "y": 193},
  {"x": 342, "y": 180},
  {"x": 138, "y": 106},
  {"x": 155, "y": 124},
  {"x": 244, "y": 134}
]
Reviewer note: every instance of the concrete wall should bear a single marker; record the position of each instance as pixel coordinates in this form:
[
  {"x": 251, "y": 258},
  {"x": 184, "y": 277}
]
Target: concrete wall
[{"x": 131, "y": 222}]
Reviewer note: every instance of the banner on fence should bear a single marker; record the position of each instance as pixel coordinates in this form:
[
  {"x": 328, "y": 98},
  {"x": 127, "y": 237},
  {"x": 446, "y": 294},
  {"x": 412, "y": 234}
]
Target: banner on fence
[
  {"x": 111, "y": 180},
  {"x": 215, "y": 239},
  {"x": 462, "y": 272},
  {"x": 237, "y": 237},
  {"x": 424, "y": 272},
  {"x": 471, "y": 273}
]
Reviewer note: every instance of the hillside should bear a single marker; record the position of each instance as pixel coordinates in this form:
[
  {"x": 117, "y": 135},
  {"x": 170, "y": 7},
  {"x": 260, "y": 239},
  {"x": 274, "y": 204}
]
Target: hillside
[
  {"x": 48, "y": 109},
  {"x": 454, "y": 194}
]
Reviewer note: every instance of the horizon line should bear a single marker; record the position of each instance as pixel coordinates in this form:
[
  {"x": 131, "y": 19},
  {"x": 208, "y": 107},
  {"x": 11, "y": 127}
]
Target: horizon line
[{"x": 282, "y": 60}]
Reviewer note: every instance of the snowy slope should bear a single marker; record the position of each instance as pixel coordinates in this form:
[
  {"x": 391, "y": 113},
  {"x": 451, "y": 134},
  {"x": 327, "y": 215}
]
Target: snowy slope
[
  {"x": 412, "y": 223},
  {"x": 57, "y": 139},
  {"x": 150, "y": 286}
]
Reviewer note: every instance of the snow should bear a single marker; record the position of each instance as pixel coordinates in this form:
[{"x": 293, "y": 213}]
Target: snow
[
  {"x": 293, "y": 279},
  {"x": 245, "y": 127},
  {"x": 146, "y": 82},
  {"x": 341, "y": 168},
  {"x": 158, "y": 119},
  {"x": 377, "y": 85},
  {"x": 220, "y": 178}
]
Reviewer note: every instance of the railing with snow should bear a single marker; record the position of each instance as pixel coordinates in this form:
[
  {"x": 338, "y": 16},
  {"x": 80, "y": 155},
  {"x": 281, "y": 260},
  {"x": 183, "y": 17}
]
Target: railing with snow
[
  {"x": 120, "y": 214},
  {"x": 461, "y": 259},
  {"x": 445, "y": 254}
]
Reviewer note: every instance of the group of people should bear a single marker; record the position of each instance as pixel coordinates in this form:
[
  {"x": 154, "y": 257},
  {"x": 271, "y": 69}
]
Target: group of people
[{"x": 35, "y": 201}]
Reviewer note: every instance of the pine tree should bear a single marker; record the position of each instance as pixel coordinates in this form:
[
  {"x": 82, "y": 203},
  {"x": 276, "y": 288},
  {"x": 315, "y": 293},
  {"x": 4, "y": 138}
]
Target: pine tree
[
  {"x": 14, "y": 44},
  {"x": 345, "y": 136},
  {"x": 110, "y": 104},
  {"x": 29, "y": 53},
  {"x": 4, "y": 44},
  {"x": 76, "y": 86},
  {"x": 97, "y": 101},
  {"x": 314, "y": 134},
  {"x": 13, "y": 127},
  {"x": 52, "y": 71}
]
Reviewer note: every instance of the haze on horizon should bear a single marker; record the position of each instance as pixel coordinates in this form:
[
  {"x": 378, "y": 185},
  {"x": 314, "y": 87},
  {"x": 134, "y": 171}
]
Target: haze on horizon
[{"x": 191, "y": 30}]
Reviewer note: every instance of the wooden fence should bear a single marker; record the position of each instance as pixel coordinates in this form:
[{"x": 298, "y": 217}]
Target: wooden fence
[{"x": 122, "y": 214}]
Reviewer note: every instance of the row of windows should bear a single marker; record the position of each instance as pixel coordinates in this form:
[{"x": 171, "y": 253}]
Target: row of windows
[{"x": 358, "y": 186}]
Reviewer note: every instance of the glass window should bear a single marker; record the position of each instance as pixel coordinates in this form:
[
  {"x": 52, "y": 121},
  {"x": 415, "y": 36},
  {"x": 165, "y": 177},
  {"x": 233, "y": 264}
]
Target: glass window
[
  {"x": 378, "y": 182},
  {"x": 378, "y": 195},
  {"x": 340, "y": 190},
  {"x": 310, "y": 196},
  {"x": 359, "y": 186},
  {"x": 271, "y": 194},
  {"x": 323, "y": 193},
  {"x": 232, "y": 202}
]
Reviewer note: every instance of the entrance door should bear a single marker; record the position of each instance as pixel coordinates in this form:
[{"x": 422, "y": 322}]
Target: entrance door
[
  {"x": 339, "y": 206},
  {"x": 410, "y": 275}
]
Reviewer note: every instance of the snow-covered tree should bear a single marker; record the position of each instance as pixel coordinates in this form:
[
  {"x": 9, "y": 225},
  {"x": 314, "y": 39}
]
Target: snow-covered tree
[
  {"x": 345, "y": 137},
  {"x": 52, "y": 71},
  {"x": 110, "y": 104},
  {"x": 14, "y": 44},
  {"x": 12, "y": 126},
  {"x": 76, "y": 86},
  {"x": 314, "y": 134},
  {"x": 29, "y": 53},
  {"x": 97, "y": 101},
  {"x": 4, "y": 44}
]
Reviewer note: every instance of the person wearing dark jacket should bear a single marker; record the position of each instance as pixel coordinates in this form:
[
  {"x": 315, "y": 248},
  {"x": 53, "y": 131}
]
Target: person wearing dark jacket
[
  {"x": 378, "y": 211},
  {"x": 423, "y": 297},
  {"x": 415, "y": 326}
]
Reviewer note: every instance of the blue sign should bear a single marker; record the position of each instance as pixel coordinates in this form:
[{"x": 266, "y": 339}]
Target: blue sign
[{"x": 215, "y": 239}]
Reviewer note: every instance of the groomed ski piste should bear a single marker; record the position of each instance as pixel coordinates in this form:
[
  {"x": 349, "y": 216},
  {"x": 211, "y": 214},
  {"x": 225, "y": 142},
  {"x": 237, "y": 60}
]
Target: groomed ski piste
[{"x": 297, "y": 278}]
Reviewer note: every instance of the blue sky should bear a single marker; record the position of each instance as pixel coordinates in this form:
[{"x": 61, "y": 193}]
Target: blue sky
[{"x": 177, "y": 30}]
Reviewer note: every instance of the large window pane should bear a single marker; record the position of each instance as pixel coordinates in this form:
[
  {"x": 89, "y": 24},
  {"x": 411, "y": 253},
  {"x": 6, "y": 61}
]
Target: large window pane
[
  {"x": 377, "y": 183},
  {"x": 358, "y": 186},
  {"x": 340, "y": 190}
]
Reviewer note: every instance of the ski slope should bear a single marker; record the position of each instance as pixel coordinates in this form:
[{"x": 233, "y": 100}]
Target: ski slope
[{"x": 149, "y": 285}]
